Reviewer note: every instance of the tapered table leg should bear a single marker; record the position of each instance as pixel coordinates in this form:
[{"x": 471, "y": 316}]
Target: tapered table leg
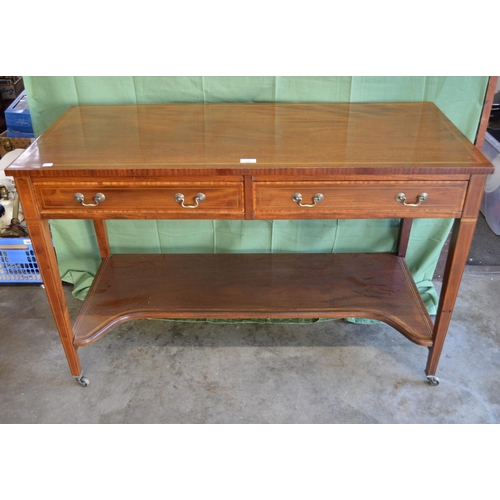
[
  {"x": 102, "y": 237},
  {"x": 462, "y": 234},
  {"x": 41, "y": 239}
]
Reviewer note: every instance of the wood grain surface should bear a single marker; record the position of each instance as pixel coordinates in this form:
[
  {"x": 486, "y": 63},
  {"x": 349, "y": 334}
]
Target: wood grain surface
[
  {"x": 204, "y": 138},
  {"x": 376, "y": 286}
]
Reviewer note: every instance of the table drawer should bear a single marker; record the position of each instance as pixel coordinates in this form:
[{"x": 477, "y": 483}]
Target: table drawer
[
  {"x": 303, "y": 200},
  {"x": 108, "y": 198}
]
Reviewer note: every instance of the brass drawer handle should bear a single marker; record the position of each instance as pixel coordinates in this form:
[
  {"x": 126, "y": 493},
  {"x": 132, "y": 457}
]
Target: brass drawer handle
[
  {"x": 317, "y": 198},
  {"x": 401, "y": 197},
  {"x": 179, "y": 198},
  {"x": 98, "y": 198}
]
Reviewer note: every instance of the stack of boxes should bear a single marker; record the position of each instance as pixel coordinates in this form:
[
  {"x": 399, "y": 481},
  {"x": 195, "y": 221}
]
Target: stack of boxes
[
  {"x": 16, "y": 129},
  {"x": 10, "y": 88},
  {"x": 18, "y": 264},
  {"x": 18, "y": 118}
]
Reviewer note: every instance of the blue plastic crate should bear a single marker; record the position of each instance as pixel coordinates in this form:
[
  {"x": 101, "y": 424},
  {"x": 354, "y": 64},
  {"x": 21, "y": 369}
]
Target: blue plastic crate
[
  {"x": 18, "y": 117},
  {"x": 15, "y": 133},
  {"x": 18, "y": 264}
]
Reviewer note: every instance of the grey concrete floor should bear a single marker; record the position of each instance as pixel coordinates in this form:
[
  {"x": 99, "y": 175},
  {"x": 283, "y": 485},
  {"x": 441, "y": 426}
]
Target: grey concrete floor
[{"x": 154, "y": 371}]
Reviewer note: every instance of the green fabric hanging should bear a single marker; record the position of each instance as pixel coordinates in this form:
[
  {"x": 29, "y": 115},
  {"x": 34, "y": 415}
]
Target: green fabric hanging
[{"x": 460, "y": 98}]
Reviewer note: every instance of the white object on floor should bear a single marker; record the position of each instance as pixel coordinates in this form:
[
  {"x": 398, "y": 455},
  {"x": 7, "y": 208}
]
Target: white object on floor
[{"x": 8, "y": 182}]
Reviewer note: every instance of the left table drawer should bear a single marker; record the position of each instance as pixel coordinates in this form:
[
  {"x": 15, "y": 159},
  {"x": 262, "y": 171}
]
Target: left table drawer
[{"x": 170, "y": 200}]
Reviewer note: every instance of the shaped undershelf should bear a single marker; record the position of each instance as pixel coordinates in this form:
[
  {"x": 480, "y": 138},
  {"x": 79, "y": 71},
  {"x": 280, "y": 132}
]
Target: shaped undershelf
[{"x": 242, "y": 286}]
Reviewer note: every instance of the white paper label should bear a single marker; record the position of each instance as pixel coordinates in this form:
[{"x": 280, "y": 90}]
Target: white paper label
[{"x": 248, "y": 160}]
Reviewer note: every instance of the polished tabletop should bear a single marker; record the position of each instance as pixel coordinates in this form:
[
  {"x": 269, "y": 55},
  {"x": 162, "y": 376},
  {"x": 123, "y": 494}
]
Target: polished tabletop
[{"x": 257, "y": 136}]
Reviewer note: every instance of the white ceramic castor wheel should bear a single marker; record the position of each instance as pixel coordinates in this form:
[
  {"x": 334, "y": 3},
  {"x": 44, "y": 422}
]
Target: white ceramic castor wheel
[
  {"x": 83, "y": 381},
  {"x": 433, "y": 380}
]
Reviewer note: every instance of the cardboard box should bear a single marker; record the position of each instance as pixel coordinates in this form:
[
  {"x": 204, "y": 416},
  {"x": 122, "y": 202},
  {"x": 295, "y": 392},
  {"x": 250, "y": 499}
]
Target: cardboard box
[
  {"x": 9, "y": 144},
  {"x": 11, "y": 87},
  {"x": 18, "y": 118}
]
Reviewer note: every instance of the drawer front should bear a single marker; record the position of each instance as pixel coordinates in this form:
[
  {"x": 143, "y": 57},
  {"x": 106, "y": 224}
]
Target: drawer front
[
  {"x": 157, "y": 199},
  {"x": 336, "y": 200}
]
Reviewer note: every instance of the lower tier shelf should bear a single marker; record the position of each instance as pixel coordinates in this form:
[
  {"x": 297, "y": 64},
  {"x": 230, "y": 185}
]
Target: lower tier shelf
[{"x": 236, "y": 286}]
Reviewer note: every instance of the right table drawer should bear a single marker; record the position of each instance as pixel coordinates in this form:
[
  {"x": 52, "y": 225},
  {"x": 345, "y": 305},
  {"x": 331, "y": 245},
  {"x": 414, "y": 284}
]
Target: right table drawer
[{"x": 363, "y": 199}]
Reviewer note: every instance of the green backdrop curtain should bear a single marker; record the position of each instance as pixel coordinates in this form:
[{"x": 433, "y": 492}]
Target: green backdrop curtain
[{"x": 460, "y": 98}]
